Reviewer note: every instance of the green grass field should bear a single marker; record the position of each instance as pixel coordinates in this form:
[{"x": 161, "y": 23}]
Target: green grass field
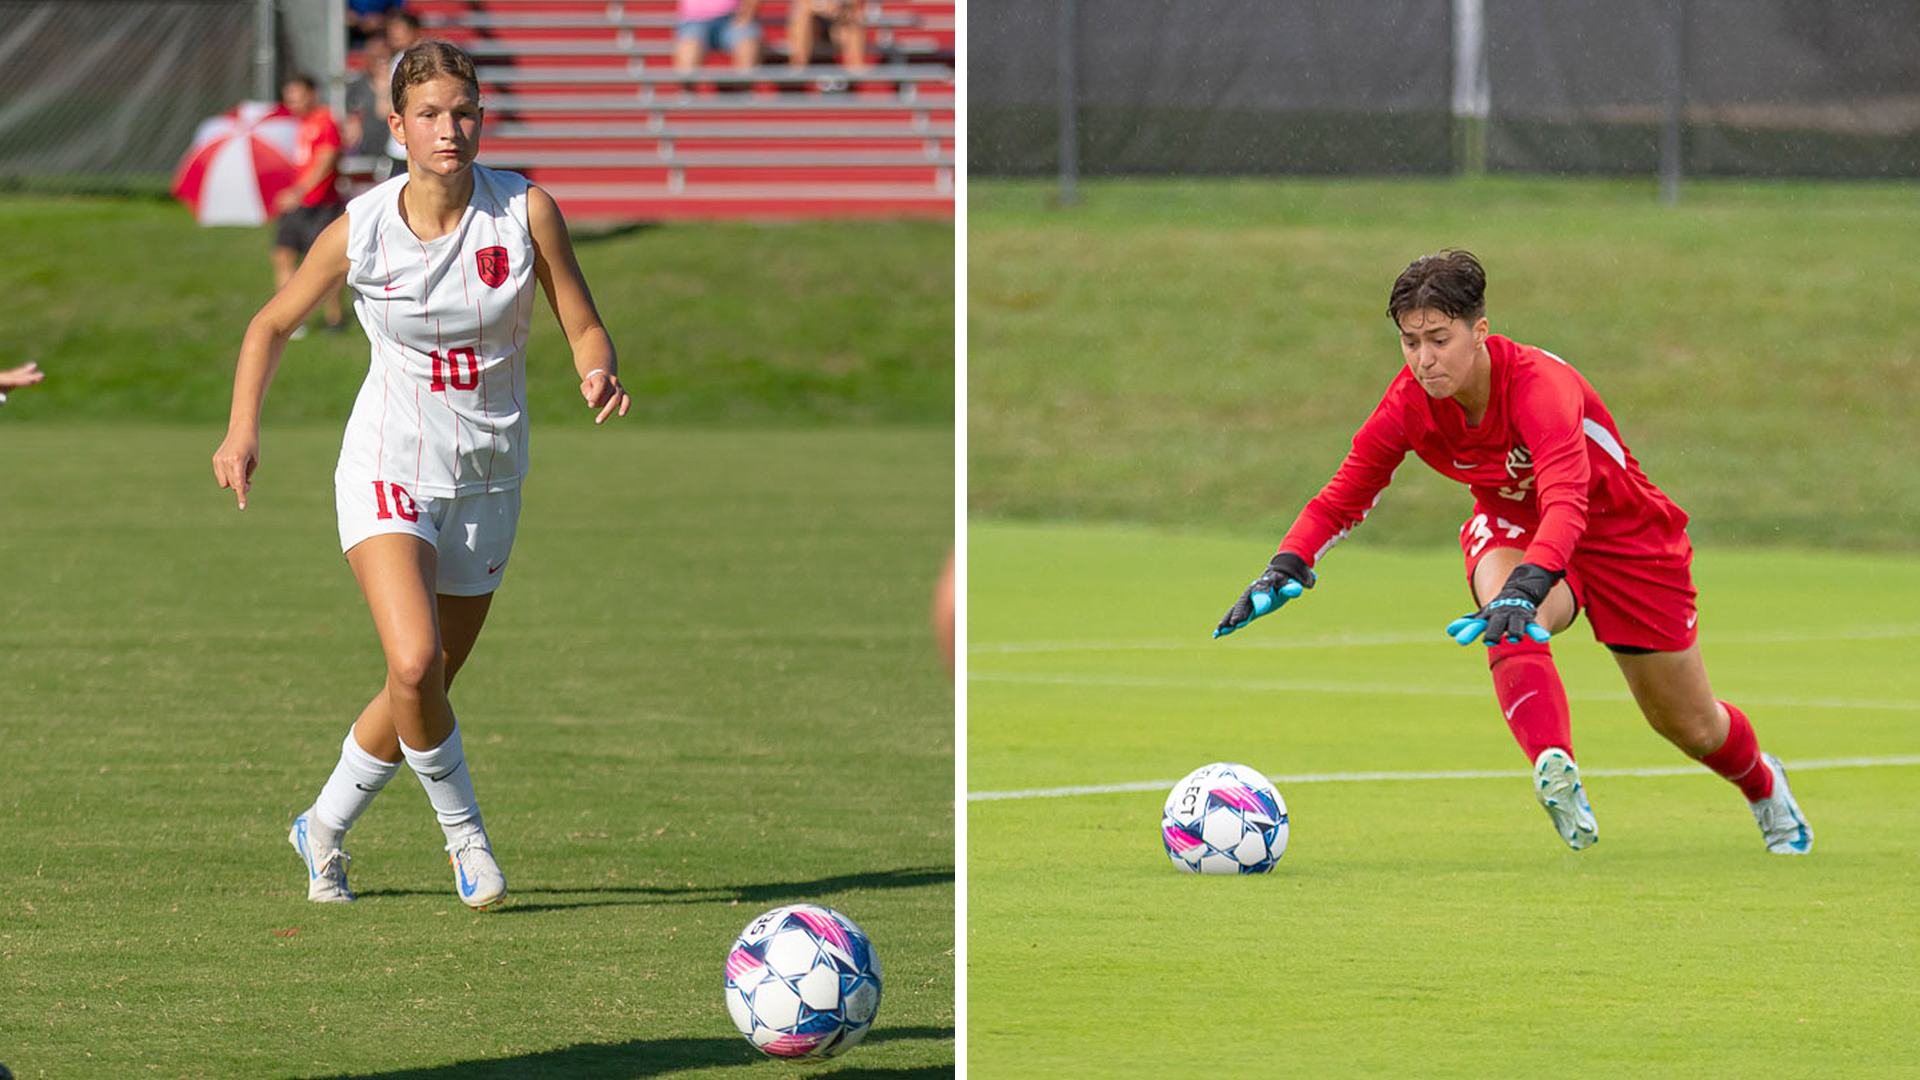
[
  {"x": 1198, "y": 353},
  {"x": 1431, "y": 927},
  {"x": 707, "y": 688}
]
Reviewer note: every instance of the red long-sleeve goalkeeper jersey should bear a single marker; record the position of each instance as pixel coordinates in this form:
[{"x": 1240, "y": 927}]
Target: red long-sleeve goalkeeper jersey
[{"x": 1546, "y": 457}]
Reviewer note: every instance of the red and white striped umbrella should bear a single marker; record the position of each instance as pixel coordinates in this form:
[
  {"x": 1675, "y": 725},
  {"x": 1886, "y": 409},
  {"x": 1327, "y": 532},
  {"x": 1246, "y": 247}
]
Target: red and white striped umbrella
[{"x": 238, "y": 162}]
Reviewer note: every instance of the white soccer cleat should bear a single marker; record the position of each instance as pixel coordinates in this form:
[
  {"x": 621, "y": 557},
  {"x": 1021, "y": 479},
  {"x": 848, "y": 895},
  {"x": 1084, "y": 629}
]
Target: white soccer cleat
[
  {"x": 476, "y": 876},
  {"x": 319, "y": 848},
  {"x": 1782, "y": 825},
  {"x": 1556, "y": 783}
]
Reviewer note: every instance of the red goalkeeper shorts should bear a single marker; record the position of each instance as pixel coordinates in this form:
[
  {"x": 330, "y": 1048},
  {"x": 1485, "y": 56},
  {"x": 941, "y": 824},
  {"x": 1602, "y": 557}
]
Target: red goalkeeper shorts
[{"x": 1640, "y": 596}]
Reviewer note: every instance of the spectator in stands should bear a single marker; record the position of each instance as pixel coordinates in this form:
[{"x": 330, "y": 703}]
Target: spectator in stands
[
  {"x": 403, "y": 29},
  {"x": 14, "y": 378},
  {"x": 840, "y": 21},
  {"x": 367, "y": 19},
  {"x": 369, "y": 99},
  {"x": 723, "y": 25},
  {"x": 313, "y": 201}
]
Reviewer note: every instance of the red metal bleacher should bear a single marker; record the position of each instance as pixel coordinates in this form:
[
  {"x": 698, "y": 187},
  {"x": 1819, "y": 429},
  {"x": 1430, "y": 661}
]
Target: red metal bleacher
[{"x": 582, "y": 98}]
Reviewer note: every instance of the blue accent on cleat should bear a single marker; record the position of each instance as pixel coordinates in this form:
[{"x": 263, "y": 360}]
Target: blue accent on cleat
[
  {"x": 1557, "y": 786},
  {"x": 326, "y": 867},
  {"x": 1782, "y": 825},
  {"x": 300, "y": 845}
]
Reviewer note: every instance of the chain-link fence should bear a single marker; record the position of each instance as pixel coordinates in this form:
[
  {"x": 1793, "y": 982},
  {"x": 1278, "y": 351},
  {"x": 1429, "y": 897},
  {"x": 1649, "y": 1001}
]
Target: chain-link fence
[
  {"x": 1762, "y": 87},
  {"x": 105, "y": 94},
  {"x": 1735, "y": 87}
]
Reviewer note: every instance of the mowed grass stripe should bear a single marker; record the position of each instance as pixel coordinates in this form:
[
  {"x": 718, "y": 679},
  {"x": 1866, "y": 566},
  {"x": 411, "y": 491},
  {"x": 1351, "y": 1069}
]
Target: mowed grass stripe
[
  {"x": 1298, "y": 686},
  {"x": 1352, "y": 641},
  {"x": 1458, "y": 774}
]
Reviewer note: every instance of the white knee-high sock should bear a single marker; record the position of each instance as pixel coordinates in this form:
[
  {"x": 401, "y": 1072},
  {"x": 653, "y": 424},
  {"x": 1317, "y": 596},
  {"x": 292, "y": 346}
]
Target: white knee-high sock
[
  {"x": 350, "y": 790},
  {"x": 443, "y": 772}
]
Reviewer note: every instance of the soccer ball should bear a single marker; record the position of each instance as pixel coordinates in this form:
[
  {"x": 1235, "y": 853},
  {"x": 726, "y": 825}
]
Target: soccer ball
[
  {"x": 1224, "y": 819},
  {"x": 803, "y": 982}
]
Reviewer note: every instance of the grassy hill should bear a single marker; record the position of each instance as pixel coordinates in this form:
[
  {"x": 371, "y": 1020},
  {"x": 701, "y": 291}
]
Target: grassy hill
[
  {"x": 1198, "y": 353},
  {"x": 136, "y": 312}
]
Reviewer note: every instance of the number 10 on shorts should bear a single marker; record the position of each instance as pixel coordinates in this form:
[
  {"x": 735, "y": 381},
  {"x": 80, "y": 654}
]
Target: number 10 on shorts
[{"x": 402, "y": 504}]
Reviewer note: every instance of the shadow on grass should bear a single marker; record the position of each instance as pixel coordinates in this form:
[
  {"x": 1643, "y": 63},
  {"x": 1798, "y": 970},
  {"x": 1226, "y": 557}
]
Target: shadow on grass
[
  {"x": 636, "y": 1059},
  {"x": 593, "y": 234},
  {"x": 559, "y": 897}
]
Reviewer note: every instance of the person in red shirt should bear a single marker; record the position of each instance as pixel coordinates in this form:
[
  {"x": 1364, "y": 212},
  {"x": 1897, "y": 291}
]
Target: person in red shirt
[
  {"x": 1563, "y": 520},
  {"x": 313, "y": 200}
]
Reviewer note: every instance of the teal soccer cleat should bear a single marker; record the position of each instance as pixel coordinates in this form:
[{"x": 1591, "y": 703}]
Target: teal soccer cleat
[
  {"x": 1556, "y": 783},
  {"x": 1781, "y": 823}
]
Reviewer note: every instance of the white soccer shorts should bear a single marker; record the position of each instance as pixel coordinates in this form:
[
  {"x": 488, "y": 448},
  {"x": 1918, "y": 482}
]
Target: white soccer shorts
[{"x": 473, "y": 534}]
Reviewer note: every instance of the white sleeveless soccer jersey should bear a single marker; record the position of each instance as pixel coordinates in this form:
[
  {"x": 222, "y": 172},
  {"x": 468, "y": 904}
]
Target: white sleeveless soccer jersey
[{"x": 443, "y": 409}]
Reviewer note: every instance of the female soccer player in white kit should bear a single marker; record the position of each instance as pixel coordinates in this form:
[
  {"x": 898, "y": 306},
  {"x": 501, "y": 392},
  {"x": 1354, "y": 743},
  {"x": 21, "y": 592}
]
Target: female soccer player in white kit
[{"x": 442, "y": 262}]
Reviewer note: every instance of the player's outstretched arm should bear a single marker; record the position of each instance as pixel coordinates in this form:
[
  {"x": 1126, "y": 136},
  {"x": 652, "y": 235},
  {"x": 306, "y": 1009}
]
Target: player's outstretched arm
[
  {"x": 1284, "y": 579},
  {"x": 566, "y": 289},
  {"x": 1510, "y": 615},
  {"x": 319, "y": 275}
]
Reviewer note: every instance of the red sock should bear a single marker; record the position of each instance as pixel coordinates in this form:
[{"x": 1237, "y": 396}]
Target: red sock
[
  {"x": 1531, "y": 696},
  {"x": 1739, "y": 759}
]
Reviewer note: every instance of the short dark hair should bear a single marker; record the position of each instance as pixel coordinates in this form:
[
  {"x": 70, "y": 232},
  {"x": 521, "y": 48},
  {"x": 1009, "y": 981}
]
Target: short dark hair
[
  {"x": 407, "y": 17},
  {"x": 427, "y": 60},
  {"x": 1450, "y": 281},
  {"x": 300, "y": 79}
]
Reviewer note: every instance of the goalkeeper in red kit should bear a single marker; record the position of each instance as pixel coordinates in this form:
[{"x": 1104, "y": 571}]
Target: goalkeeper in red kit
[{"x": 1564, "y": 521}]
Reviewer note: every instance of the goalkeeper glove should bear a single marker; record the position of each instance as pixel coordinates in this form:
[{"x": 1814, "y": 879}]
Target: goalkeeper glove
[
  {"x": 1286, "y": 577},
  {"x": 1510, "y": 615}
]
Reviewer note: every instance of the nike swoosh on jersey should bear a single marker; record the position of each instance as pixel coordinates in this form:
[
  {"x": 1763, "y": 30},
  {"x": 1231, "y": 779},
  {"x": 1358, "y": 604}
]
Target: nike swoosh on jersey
[
  {"x": 390, "y": 288},
  {"x": 495, "y": 569},
  {"x": 1465, "y": 465}
]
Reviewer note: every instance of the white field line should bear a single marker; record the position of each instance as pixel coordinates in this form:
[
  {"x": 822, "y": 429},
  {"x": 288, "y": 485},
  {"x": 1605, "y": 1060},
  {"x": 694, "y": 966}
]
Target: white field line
[
  {"x": 1488, "y": 774},
  {"x": 1306, "y": 686},
  {"x": 1348, "y": 641}
]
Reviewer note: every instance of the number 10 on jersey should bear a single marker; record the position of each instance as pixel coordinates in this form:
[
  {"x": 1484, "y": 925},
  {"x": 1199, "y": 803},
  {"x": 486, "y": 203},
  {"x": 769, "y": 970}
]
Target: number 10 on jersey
[{"x": 447, "y": 372}]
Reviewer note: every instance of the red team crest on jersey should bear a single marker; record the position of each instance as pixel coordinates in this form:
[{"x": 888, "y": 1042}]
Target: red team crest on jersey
[{"x": 493, "y": 265}]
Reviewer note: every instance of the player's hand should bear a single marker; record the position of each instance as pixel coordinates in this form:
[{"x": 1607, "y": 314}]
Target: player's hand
[
  {"x": 285, "y": 201},
  {"x": 234, "y": 462},
  {"x": 1510, "y": 615},
  {"x": 1285, "y": 578},
  {"x": 604, "y": 392},
  {"x": 25, "y": 375}
]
